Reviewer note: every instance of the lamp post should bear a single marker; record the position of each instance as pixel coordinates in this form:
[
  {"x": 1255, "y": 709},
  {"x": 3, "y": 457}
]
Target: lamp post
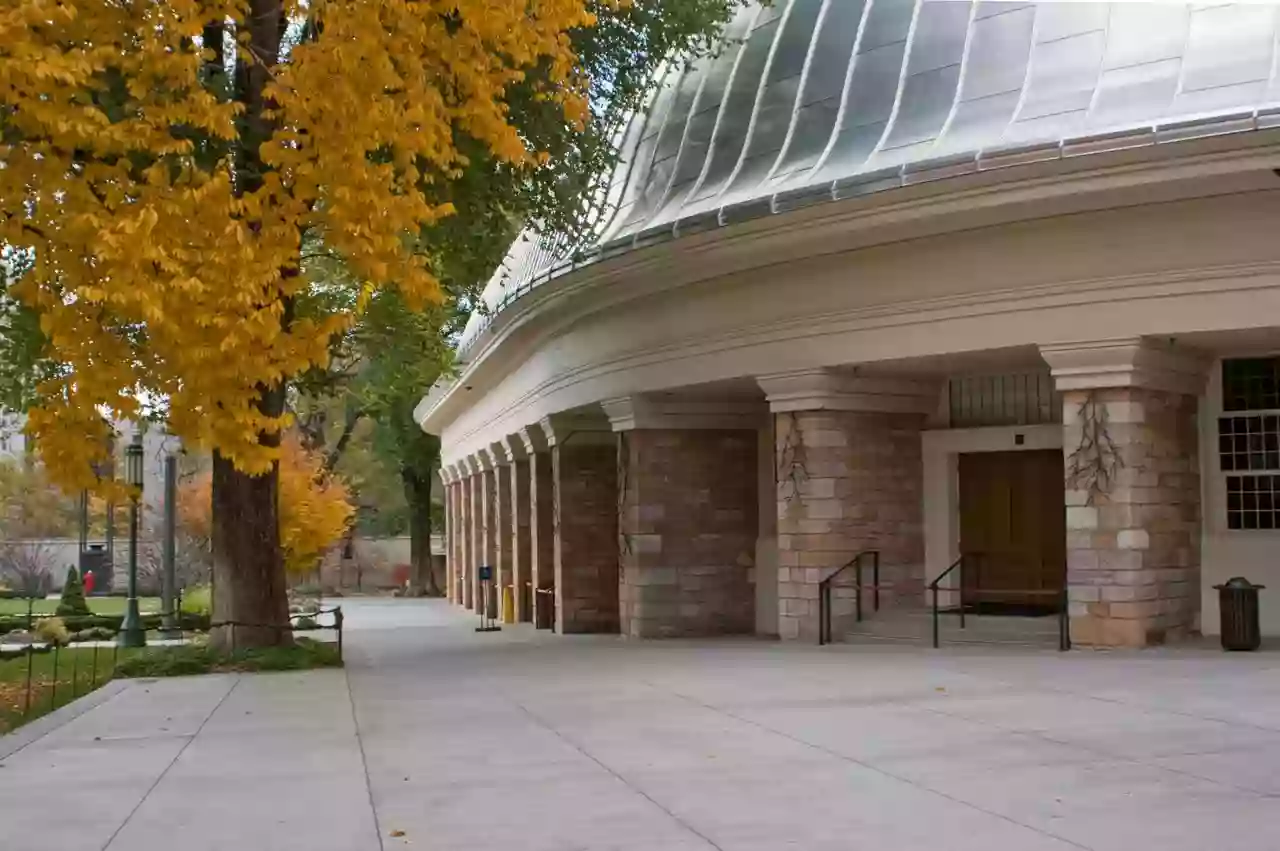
[{"x": 131, "y": 632}]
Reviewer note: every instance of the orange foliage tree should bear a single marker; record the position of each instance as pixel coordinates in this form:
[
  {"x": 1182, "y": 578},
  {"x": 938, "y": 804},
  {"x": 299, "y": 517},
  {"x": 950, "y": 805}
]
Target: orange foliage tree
[
  {"x": 164, "y": 165},
  {"x": 315, "y": 507}
]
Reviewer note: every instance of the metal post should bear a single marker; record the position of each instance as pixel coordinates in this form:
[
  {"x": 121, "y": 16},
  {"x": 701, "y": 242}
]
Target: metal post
[
  {"x": 960, "y": 576},
  {"x": 1064, "y": 624},
  {"x": 875, "y": 579},
  {"x": 31, "y": 656},
  {"x": 131, "y": 632},
  {"x": 75, "y": 673},
  {"x": 53, "y": 693},
  {"x": 823, "y": 614},
  {"x": 169, "y": 624},
  {"x": 857, "y": 595},
  {"x": 933, "y": 589}
]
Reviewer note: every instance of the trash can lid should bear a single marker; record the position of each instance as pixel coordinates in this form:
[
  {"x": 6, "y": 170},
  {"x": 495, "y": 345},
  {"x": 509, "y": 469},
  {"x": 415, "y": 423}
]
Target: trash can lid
[{"x": 1238, "y": 582}]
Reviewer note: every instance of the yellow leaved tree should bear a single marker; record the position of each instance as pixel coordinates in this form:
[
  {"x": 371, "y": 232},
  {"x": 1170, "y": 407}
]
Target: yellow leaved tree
[
  {"x": 163, "y": 165},
  {"x": 315, "y": 507}
]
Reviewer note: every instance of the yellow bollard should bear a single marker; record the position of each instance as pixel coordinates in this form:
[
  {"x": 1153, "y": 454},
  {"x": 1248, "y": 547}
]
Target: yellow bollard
[{"x": 508, "y": 604}]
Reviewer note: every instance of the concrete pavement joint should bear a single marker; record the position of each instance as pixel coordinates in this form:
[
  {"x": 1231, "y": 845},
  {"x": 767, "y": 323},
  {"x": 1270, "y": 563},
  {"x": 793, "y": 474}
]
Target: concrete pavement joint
[
  {"x": 364, "y": 762},
  {"x": 879, "y": 770},
  {"x": 111, "y": 839},
  {"x": 550, "y": 728},
  {"x": 1106, "y": 757},
  {"x": 24, "y": 737}
]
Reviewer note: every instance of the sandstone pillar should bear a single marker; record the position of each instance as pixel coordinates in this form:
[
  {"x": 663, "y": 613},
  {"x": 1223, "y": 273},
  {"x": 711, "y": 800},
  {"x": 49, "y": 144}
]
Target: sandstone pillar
[
  {"x": 584, "y": 473},
  {"x": 688, "y": 516},
  {"x": 518, "y": 488},
  {"x": 450, "y": 527},
  {"x": 542, "y": 552},
  {"x": 1132, "y": 479},
  {"x": 849, "y": 479},
  {"x": 479, "y": 546},
  {"x": 471, "y": 534},
  {"x": 500, "y": 514},
  {"x": 488, "y": 535}
]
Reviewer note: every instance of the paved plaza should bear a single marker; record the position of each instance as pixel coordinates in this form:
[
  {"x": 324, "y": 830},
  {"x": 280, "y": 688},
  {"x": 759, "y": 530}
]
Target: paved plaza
[{"x": 438, "y": 738}]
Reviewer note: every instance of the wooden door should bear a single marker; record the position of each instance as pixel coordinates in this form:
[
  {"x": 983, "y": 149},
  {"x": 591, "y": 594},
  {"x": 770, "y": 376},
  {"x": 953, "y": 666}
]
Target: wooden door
[{"x": 1013, "y": 516}]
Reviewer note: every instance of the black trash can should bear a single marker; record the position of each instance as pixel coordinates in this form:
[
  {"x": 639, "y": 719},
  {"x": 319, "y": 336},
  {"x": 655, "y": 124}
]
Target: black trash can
[{"x": 1238, "y": 608}]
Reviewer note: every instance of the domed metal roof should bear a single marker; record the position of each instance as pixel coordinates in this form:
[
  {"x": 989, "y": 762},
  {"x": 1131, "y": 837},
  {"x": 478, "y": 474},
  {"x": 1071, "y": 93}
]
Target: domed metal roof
[{"x": 831, "y": 98}]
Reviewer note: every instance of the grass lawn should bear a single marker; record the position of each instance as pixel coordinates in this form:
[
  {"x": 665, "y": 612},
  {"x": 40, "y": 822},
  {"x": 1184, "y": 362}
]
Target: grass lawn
[
  {"x": 99, "y": 605},
  {"x": 78, "y": 672}
]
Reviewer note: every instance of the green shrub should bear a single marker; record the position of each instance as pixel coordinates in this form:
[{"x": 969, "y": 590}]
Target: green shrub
[
  {"x": 73, "y": 602},
  {"x": 191, "y": 659},
  {"x": 52, "y": 631},
  {"x": 198, "y": 600}
]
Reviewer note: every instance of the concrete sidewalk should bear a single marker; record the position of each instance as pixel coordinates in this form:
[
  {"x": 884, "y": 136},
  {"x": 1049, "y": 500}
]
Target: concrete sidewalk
[
  {"x": 436, "y": 737},
  {"x": 267, "y": 761}
]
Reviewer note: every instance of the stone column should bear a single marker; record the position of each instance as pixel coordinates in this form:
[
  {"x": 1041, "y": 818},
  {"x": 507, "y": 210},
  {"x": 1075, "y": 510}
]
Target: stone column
[
  {"x": 850, "y": 478},
  {"x": 542, "y": 552},
  {"x": 466, "y": 494},
  {"x": 1132, "y": 479},
  {"x": 500, "y": 515},
  {"x": 459, "y": 552},
  {"x": 450, "y": 527},
  {"x": 584, "y": 460},
  {"x": 477, "y": 535},
  {"x": 489, "y": 532},
  {"x": 521, "y": 554},
  {"x": 688, "y": 515}
]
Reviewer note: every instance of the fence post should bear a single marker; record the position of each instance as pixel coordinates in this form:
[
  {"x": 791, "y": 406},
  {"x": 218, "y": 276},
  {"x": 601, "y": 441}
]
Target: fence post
[
  {"x": 31, "y": 656},
  {"x": 337, "y": 622},
  {"x": 75, "y": 674},
  {"x": 53, "y": 694}
]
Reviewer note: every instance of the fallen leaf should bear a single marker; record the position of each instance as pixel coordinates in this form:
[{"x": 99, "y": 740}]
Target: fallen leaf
[{"x": 397, "y": 833}]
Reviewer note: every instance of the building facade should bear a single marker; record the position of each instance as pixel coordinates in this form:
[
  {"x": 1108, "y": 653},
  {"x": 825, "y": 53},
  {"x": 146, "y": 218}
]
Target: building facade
[{"x": 958, "y": 283}]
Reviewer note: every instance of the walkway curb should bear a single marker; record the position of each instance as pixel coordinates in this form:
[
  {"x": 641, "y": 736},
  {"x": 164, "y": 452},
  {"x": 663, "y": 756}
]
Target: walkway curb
[{"x": 25, "y": 735}]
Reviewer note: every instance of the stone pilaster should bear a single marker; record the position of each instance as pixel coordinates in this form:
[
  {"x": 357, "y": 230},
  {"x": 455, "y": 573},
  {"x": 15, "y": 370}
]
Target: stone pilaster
[
  {"x": 1132, "y": 479},
  {"x": 584, "y": 461},
  {"x": 542, "y": 554},
  {"x": 489, "y": 533},
  {"x": 450, "y": 527},
  {"x": 688, "y": 516},
  {"x": 471, "y": 535},
  {"x": 850, "y": 479},
  {"x": 521, "y": 554},
  {"x": 500, "y": 516}
]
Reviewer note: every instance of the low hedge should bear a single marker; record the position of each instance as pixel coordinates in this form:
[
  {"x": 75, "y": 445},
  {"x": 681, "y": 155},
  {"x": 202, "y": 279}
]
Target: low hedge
[
  {"x": 190, "y": 659},
  {"x": 187, "y": 621}
]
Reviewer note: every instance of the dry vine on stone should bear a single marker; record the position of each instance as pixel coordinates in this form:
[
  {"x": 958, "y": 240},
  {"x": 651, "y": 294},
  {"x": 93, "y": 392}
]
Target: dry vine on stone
[
  {"x": 791, "y": 472},
  {"x": 1093, "y": 464}
]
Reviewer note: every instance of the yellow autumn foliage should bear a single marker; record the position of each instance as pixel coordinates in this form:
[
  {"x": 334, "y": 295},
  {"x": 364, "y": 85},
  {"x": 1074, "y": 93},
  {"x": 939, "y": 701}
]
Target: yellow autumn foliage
[
  {"x": 155, "y": 273},
  {"x": 315, "y": 507}
]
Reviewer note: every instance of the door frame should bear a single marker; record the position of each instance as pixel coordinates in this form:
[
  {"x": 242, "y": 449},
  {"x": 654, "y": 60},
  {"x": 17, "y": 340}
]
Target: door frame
[{"x": 942, "y": 449}]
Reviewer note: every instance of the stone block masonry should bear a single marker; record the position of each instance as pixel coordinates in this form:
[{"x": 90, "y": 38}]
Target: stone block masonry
[
  {"x": 521, "y": 504},
  {"x": 688, "y": 518},
  {"x": 585, "y": 479},
  {"x": 542, "y": 536},
  {"x": 848, "y": 481},
  {"x": 1133, "y": 547}
]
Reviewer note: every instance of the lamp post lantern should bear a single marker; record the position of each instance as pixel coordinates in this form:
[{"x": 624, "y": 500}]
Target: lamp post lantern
[{"x": 131, "y": 632}]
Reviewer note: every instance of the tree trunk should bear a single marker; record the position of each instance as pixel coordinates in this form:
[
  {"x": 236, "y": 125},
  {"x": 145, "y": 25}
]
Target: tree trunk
[
  {"x": 417, "y": 492},
  {"x": 249, "y": 593}
]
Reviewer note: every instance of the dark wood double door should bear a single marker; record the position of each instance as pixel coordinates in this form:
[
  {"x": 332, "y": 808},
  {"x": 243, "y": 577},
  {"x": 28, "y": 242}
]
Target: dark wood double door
[{"x": 1013, "y": 522}]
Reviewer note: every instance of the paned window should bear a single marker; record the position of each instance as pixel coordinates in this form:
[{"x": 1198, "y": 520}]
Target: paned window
[{"x": 1249, "y": 442}]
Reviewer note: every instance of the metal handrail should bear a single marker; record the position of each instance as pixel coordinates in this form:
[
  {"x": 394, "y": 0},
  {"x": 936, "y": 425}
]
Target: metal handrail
[
  {"x": 958, "y": 566},
  {"x": 824, "y": 592}
]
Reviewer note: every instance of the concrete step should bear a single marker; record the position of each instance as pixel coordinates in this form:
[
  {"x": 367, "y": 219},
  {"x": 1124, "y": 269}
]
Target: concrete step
[{"x": 916, "y": 625}]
